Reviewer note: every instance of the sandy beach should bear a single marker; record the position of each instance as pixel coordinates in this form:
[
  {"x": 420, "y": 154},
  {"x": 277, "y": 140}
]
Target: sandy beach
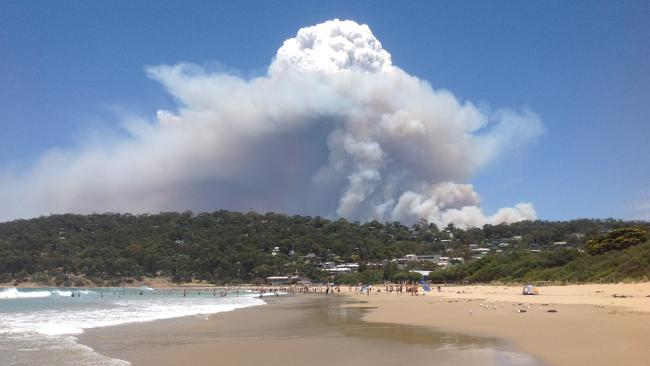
[
  {"x": 462, "y": 325},
  {"x": 564, "y": 325}
]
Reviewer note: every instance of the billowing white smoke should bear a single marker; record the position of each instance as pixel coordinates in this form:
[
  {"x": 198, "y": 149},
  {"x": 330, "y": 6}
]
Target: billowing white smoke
[{"x": 334, "y": 128}]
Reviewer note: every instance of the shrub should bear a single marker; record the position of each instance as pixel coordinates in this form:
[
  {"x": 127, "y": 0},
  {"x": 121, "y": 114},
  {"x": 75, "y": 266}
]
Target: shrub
[
  {"x": 78, "y": 282},
  {"x": 41, "y": 278},
  {"x": 401, "y": 277},
  {"x": 5, "y": 277},
  {"x": 617, "y": 240}
]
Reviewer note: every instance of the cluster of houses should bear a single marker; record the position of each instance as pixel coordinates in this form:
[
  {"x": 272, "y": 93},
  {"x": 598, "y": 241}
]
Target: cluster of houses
[
  {"x": 499, "y": 246},
  {"x": 439, "y": 260},
  {"x": 402, "y": 264},
  {"x": 410, "y": 261}
]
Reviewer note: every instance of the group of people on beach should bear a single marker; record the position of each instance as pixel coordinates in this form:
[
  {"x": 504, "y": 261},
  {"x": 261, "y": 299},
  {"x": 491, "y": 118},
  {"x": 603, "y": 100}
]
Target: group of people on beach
[
  {"x": 261, "y": 291},
  {"x": 368, "y": 289}
]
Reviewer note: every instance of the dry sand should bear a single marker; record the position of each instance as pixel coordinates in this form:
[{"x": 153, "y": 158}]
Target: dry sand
[
  {"x": 590, "y": 327},
  {"x": 633, "y": 296}
]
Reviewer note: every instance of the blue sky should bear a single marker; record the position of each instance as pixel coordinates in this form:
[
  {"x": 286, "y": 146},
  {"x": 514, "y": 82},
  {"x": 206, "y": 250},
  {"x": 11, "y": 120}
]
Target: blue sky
[{"x": 67, "y": 70}]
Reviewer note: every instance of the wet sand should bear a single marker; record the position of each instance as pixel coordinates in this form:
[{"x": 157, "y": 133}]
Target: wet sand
[{"x": 300, "y": 330}]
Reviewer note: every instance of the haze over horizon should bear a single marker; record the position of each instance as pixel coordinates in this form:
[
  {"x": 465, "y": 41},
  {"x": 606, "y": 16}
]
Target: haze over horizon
[{"x": 333, "y": 126}]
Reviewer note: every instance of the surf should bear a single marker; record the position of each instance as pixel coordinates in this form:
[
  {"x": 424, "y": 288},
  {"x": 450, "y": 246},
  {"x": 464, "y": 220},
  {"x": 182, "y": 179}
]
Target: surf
[{"x": 14, "y": 293}]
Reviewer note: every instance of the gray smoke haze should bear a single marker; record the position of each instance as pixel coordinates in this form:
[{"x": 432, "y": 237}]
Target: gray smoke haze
[{"x": 334, "y": 129}]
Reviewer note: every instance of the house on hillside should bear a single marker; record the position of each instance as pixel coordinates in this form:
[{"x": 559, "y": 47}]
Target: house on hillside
[
  {"x": 338, "y": 270},
  {"x": 481, "y": 250},
  {"x": 278, "y": 280},
  {"x": 326, "y": 265},
  {"x": 411, "y": 257},
  {"x": 429, "y": 257},
  {"x": 353, "y": 267}
]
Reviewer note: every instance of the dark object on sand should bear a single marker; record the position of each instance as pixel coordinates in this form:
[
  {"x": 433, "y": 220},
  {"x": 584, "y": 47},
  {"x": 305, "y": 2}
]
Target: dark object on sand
[
  {"x": 521, "y": 311},
  {"x": 551, "y": 311}
]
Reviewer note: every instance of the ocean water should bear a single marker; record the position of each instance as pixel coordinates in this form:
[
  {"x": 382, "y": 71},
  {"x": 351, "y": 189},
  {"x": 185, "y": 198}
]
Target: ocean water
[{"x": 38, "y": 326}]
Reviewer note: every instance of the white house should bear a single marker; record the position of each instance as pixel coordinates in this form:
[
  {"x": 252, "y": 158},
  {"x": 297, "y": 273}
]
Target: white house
[
  {"x": 481, "y": 250},
  {"x": 353, "y": 267},
  {"x": 278, "y": 280},
  {"x": 338, "y": 270},
  {"x": 411, "y": 257},
  {"x": 327, "y": 265},
  {"x": 429, "y": 257}
]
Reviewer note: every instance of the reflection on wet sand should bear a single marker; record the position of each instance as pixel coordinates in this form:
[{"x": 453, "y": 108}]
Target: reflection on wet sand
[{"x": 297, "y": 330}]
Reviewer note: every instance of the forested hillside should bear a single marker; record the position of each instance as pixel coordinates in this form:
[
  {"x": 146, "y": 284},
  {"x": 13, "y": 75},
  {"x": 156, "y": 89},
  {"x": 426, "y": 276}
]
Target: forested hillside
[
  {"x": 231, "y": 247},
  {"x": 562, "y": 265}
]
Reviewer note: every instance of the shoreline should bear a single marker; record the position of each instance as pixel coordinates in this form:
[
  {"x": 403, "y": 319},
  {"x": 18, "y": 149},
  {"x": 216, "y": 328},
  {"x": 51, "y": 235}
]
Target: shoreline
[
  {"x": 597, "y": 324},
  {"x": 296, "y": 330}
]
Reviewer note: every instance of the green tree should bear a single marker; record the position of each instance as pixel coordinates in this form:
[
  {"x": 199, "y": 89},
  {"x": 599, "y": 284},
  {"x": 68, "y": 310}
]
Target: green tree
[{"x": 617, "y": 240}]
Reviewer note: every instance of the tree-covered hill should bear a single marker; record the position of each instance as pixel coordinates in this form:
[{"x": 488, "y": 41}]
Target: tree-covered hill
[
  {"x": 225, "y": 247},
  {"x": 562, "y": 265}
]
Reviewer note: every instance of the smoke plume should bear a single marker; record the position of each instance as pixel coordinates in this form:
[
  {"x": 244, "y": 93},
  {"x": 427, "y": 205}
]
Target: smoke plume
[{"x": 333, "y": 128}]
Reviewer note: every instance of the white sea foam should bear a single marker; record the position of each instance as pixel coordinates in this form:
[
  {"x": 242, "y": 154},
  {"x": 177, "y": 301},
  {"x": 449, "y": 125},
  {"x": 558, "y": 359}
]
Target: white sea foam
[
  {"x": 62, "y": 293},
  {"x": 118, "y": 311},
  {"x": 30, "y": 326},
  {"x": 60, "y": 350},
  {"x": 127, "y": 313},
  {"x": 14, "y": 293},
  {"x": 280, "y": 293}
]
